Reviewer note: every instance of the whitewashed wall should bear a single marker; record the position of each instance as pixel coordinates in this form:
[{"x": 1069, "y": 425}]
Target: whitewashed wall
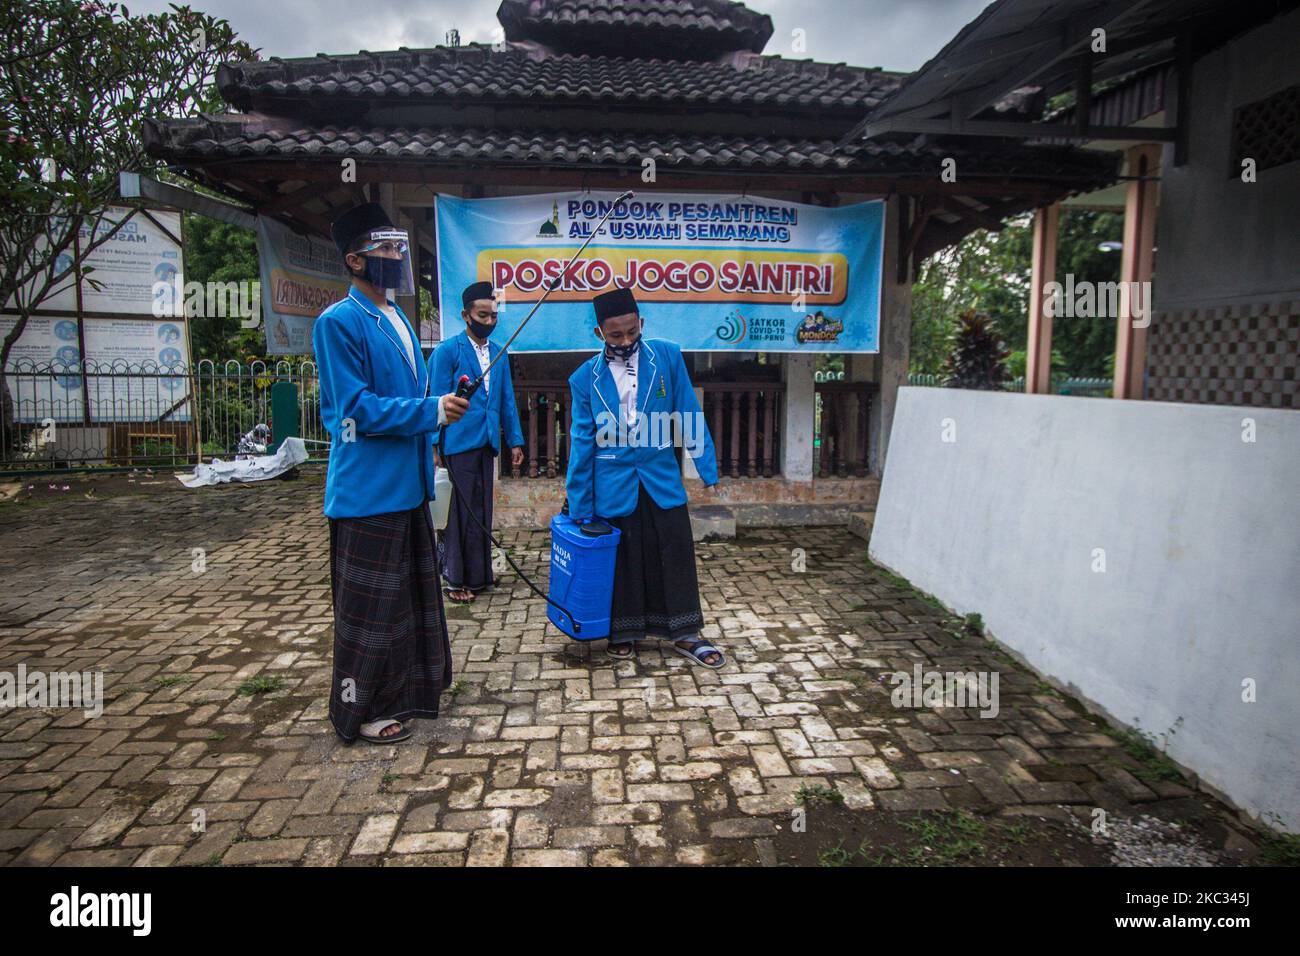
[{"x": 1201, "y": 588}]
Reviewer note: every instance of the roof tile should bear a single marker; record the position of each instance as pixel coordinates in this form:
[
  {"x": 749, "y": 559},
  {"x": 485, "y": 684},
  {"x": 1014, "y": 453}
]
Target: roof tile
[{"x": 478, "y": 72}]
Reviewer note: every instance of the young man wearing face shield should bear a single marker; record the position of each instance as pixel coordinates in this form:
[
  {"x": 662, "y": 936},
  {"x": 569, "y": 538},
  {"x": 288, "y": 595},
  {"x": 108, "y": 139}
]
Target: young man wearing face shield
[
  {"x": 392, "y": 658},
  {"x": 469, "y": 448},
  {"x": 623, "y": 469}
]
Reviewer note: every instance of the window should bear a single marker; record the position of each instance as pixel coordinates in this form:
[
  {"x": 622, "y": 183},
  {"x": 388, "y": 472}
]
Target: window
[{"x": 1267, "y": 131}]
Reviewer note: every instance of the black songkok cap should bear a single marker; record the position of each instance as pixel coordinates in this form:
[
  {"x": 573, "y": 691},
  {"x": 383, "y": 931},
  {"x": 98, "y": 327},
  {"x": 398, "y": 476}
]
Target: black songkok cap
[
  {"x": 610, "y": 304},
  {"x": 475, "y": 291},
  {"x": 358, "y": 221}
]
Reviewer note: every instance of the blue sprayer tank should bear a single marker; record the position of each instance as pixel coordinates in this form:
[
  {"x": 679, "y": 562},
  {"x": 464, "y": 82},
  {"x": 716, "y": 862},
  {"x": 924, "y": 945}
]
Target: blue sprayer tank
[{"x": 582, "y": 577}]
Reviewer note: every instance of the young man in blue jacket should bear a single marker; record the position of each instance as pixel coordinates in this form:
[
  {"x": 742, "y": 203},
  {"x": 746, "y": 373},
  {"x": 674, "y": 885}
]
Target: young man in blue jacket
[
  {"x": 629, "y": 402},
  {"x": 469, "y": 448},
  {"x": 392, "y": 657}
]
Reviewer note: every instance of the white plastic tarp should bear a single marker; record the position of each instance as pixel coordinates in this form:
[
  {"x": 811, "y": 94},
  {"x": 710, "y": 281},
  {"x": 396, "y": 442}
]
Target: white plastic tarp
[{"x": 292, "y": 452}]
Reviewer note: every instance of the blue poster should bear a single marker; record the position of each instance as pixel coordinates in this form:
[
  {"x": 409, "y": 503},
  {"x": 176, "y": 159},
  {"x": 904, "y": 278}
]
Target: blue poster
[{"x": 709, "y": 272}]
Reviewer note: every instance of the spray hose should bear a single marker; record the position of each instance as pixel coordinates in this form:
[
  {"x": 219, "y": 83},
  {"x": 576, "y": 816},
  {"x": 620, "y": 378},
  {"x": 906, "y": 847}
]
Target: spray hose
[{"x": 506, "y": 554}]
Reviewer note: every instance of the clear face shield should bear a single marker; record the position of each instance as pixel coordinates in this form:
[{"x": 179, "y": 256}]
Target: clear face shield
[{"x": 387, "y": 253}]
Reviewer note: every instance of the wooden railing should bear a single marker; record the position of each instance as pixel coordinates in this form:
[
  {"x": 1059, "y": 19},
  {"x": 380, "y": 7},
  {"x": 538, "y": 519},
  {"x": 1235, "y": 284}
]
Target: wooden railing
[
  {"x": 744, "y": 420},
  {"x": 545, "y": 417},
  {"x": 843, "y": 420}
]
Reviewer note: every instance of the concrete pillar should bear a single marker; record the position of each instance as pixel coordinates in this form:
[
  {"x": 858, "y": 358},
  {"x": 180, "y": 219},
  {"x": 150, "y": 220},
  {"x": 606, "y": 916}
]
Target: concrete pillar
[
  {"x": 1038, "y": 350},
  {"x": 798, "y": 416},
  {"x": 895, "y": 340},
  {"x": 1135, "y": 267}
]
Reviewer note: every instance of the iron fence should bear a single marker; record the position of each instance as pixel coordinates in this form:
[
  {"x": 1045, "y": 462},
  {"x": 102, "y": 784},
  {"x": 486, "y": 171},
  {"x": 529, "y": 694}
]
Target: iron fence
[
  {"x": 1088, "y": 387},
  {"x": 84, "y": 415}
]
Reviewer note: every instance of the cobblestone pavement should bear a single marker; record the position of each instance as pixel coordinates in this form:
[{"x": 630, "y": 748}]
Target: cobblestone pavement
[{"x": 547, "y": 752}]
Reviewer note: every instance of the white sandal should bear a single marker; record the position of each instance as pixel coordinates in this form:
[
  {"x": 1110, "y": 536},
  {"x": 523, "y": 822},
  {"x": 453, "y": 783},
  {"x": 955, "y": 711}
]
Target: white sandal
[{"x": 372, "y": 731}]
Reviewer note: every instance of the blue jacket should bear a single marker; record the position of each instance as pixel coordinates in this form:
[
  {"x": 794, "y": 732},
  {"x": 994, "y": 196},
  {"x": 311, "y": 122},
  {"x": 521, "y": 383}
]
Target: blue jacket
[
  {"x": 605, "y": 466},
  {"x": 488, "y": 411},
  {"x": 373, "y": 403}
]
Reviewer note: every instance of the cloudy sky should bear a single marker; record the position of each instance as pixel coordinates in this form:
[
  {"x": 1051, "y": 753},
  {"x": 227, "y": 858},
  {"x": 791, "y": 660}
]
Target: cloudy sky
[{"x": 894, "y": 34}]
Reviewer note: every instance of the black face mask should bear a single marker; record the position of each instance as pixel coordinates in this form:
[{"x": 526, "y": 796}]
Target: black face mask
[
  {"x": 623, "y": 352},
  {"x": 382, "y": 272},
  {"x": 480, "y": 330}
]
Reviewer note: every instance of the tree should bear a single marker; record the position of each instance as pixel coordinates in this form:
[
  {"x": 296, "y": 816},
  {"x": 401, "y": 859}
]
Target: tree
[
  {"x": 217, "y": 251},
  {"x": 978, "y": 359},
  {"x": 75, "y": 80},
  {"x": 990, "y": 272},
  {"x": 985, "y": 271}
]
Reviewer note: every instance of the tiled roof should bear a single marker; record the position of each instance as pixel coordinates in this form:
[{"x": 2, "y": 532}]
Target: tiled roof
[
  {"x": 699, "y": 26},
  {"x": 478, "y": 72},
  {"x": 233, "y": 136},
  {"x": 223, "y": 138}
]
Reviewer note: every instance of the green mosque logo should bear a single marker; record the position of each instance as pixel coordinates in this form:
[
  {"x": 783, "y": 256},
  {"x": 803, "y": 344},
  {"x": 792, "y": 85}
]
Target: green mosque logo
[{"x": 551, "y": 227}]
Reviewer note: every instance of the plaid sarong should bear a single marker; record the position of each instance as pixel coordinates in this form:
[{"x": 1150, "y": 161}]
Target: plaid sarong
[
  {"x": 464, "y": 551},
  {"x": 392, "y": 658},
  {"x": 656, "y": 592}
]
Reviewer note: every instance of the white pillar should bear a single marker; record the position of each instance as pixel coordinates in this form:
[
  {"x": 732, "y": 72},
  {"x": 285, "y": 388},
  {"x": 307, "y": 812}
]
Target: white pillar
[{"x": 799, "y": 417}]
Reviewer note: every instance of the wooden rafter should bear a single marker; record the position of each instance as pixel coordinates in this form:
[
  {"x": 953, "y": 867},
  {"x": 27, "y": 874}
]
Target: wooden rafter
[{"x": 298, "y": 198}]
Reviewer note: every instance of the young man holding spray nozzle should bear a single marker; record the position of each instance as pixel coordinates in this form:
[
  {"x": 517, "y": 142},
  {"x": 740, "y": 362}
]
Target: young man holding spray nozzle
[{"x": 392, "y": 658}]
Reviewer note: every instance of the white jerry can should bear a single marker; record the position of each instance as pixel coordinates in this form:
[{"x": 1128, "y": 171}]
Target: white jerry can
[{"x": 441, "y": 504}]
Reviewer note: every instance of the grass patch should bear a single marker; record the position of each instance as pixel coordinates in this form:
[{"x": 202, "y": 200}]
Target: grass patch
[
  {"x": 1282, "y": 849},
  {"x": 894, "y": 580},
  {"x": 170, "y": 681},
  {"x": 1152, "y": 763},
  {"x": 259, "y": 685},
  {"x": 836, "y": 856},
  {"x": 455, "y": 690},
  {"x": 807, "y": 795},
  {"x": 1017, "y": 833},
  {"x": 974, "y": 624},
  {"x": 944, "y": 838},
  {"x": 933, "y": 603}
]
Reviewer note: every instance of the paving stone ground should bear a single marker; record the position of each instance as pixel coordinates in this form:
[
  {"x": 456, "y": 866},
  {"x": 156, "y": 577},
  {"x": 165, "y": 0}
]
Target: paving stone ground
[{"x": 547, "y": 751}]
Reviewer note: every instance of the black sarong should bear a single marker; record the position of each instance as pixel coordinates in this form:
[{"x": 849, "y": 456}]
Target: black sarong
[
  {"x": 392, "y": 658},
  {"x": 656, "y": 592},
  {"x": 464, "y": 551}
]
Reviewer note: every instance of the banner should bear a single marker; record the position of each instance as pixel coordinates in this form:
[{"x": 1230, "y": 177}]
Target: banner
[
  {"x": 301, "y": 275},
  {"x": 135, "y": 370},
  {"x": 126, "y": 267},
  {"x": 709, "y": 272}
]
